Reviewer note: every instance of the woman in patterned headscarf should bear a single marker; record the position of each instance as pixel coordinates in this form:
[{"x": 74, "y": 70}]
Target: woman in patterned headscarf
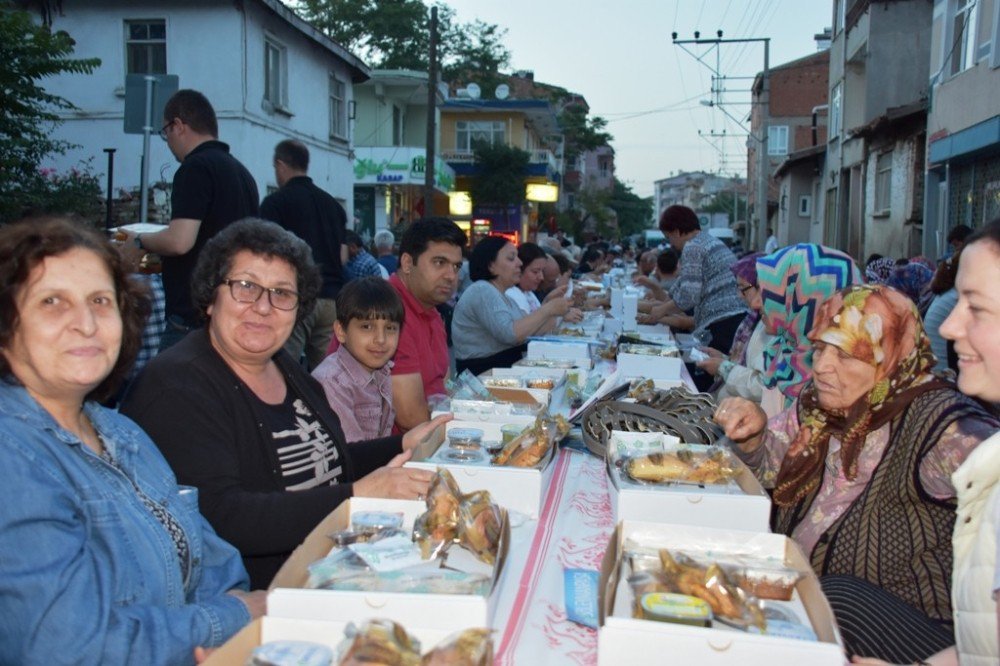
[
  {"x": 861, "y": 470},
  {"x": 794, "y": 282},
  {"x": 741, "y": 372},
  {"x": 878, "y": 270},
  {"x": 913, "y": 279}
]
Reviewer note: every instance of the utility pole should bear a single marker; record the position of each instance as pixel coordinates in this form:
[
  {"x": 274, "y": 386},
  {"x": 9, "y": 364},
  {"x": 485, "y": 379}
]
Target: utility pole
[
  {"x": 763, "y": 172},
  {"x": 431, "y": 153}
]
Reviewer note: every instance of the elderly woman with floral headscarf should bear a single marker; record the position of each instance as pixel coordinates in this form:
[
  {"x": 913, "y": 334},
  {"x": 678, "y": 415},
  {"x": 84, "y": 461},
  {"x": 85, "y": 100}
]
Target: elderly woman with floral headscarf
[
  {"x": 793, "y": 283},
  {"x": 861, "y": 469},
  {"x": 741, "y": 373}
]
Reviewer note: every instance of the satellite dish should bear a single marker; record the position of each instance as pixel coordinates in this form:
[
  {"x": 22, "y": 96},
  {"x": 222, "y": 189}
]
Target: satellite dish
[
  {"x": 502, "y": 91},
  {"x": 473, "y": 90}
]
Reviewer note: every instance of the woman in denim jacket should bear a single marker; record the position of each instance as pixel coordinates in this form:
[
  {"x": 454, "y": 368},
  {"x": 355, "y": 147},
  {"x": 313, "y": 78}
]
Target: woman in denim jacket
[{"x": 103, "y": 558}]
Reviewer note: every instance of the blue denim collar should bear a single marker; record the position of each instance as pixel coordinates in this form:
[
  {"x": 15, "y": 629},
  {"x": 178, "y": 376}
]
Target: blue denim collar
[{"x": 18, "y": 403}]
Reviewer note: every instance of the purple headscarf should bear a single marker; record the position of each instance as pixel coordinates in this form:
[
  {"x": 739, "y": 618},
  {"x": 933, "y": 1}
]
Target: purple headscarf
[
  {"x": 746, "y": 268},
  {"x": 912, "y": 279}
]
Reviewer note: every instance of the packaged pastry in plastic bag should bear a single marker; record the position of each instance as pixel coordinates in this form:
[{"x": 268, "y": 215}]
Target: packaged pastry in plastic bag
[
  {"x": 472, "y": 647},
  {"x": 479, "y": 522},
  {"x": 435, "y": 530},
  {"x": 381, "y": 642}
]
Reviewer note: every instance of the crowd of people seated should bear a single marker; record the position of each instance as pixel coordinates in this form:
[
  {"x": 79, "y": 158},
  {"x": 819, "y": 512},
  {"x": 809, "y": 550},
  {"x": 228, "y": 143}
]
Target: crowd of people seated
[{"x": 863, "y": 399}]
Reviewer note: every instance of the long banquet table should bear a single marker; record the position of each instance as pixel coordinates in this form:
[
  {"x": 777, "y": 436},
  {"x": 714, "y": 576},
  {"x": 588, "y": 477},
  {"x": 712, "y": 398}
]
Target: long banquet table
[{"x": 572, "y": 531}]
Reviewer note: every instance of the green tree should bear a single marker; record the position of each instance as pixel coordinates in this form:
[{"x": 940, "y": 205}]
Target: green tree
[
  {"x": 581, "y": 131},
  {"x": 395, "y": 34},
  {"x": 501, "y": 174},
  {"x": 723, "y": 203},
  {"x": 30, "y": 52},
  {"x": 634, "y": 212}
]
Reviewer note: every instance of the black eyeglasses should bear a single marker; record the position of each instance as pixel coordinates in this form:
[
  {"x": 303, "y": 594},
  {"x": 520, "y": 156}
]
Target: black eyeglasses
[
  {"x": 744, "y": 290},
  {"x": 163, "y": 130},
  {"x": 245, "y": 291}
]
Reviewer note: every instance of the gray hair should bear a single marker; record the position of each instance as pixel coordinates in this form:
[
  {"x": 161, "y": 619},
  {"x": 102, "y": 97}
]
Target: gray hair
[{"x": 384, "y": 238}]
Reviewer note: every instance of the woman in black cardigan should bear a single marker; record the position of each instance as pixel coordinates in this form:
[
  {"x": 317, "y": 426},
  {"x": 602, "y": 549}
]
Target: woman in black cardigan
[{"x": 238, "y": 419}]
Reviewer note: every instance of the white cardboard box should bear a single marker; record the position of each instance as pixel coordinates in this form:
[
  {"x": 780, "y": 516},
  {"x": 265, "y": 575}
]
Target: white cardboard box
[
  {"x": 742, "y": 504},
  {"x": 518, "y": 489},
  {"x": 623, "y": 639},
  {"x": 237, "y": 650},
  {"x": 650, "y": 367},
  {"x": 288, "y": 598},
  {"x": 564, "y": 349}
]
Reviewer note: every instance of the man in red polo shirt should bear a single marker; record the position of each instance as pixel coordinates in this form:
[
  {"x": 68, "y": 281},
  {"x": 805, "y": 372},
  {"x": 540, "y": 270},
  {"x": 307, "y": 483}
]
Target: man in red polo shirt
[{"x": 430, "y": 256}]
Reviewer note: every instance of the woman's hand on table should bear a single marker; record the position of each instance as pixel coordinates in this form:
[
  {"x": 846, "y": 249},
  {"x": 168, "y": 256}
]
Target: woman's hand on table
[
  {"x": 743, "y": 422},
  {"x": 573, "y": 316},
  {"x": 395, "y": 481},
  {"x": 656, "y": 313},
  {"x": 256, "y": 601},
  {"x": 711, "y": 365},
  {"x": 428, "y": 431}
]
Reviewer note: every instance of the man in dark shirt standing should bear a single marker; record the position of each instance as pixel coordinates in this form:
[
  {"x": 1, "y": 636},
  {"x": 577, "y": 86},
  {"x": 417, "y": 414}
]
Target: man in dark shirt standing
[
  {"x": 318, "y": 219},
  {"x": 211, "y": 189}
]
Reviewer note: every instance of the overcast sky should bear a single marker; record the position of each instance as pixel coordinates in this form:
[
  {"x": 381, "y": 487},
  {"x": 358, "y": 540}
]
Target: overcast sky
[{"x": 619, "y": 55}]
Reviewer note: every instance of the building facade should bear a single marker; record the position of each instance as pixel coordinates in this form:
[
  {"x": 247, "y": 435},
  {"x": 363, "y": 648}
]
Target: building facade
[
  {"x": 873, "y": 180},
  {"x": 528, "y": 124},
  {"x": 269, "y": 76},
  {"x": 390, "y": 155},
  {"x": 963, "y": 120},
  {"x": 790, "y": 116}
]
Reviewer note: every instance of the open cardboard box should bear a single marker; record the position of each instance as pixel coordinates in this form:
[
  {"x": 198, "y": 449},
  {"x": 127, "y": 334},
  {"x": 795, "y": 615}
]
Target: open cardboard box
[
  {"x": 576, "y": 350},
  {"x": 623, "y": 639},
  {"x": 446, "y": 613},
  {"x": 237, "y": 650},
  {"x": 741, "y": 504},
  {"x": 515, "y": 488},
  {"x": 521, "y": 396},
  {"x": 557, "y": 375}
]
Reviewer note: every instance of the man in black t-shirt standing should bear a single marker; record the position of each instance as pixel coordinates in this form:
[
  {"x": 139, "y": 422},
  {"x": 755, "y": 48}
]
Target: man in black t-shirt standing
[
  {"x": 211, "y": 189},
  {"x": 318, "y": 219}
]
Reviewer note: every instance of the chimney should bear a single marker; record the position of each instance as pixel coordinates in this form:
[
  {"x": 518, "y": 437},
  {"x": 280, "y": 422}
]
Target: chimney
[{"x": 823, "y": 39}]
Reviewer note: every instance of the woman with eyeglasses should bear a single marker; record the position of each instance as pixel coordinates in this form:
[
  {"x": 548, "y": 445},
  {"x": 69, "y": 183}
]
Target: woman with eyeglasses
[
  {"x": 741, "y": 372},
  {"x": 239, "y": 419}
]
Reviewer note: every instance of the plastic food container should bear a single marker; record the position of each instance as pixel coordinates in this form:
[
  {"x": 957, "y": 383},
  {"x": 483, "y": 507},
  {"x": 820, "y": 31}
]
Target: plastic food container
[
  {"x": 676, "y": 608},
  {"x": 467, "y": 439},
  {"x": 289, "y": 653},
  {"x": 762, "y": 583},
  {"x": 540, "y": 383}
]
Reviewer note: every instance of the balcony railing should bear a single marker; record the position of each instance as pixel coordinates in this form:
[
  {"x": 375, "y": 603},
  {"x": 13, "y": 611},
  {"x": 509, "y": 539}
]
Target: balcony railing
[{"x": 463, "y": 156}]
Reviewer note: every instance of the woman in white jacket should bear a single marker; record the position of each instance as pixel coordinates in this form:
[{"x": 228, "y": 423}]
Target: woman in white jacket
[{"x": 973, "y": 326}]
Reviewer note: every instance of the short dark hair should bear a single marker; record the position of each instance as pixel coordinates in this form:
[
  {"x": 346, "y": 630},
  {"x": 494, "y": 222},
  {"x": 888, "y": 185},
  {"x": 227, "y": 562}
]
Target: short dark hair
[
  {"x": 961, "y": 234},
  {"x": 679, "y": 218},
  {"x": 27, "y": 243},
  {"x": 369, "y": 298},
  {"x": 293, "y": 153},
  {"x": 563, "y": 262},
  {"x": 484, "y": 254},
  {"x": 353, "y": 238},
  {"x": 667, "y": 260},
  {"x": 194, "y": 110},
  {"x": 988, "y": 232},
  {"x": 591, "y": 253},
  {"x": 264, "y": 239},
  {"x": 425, "y": 231},
  {"x": 528, "y": 252}
]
